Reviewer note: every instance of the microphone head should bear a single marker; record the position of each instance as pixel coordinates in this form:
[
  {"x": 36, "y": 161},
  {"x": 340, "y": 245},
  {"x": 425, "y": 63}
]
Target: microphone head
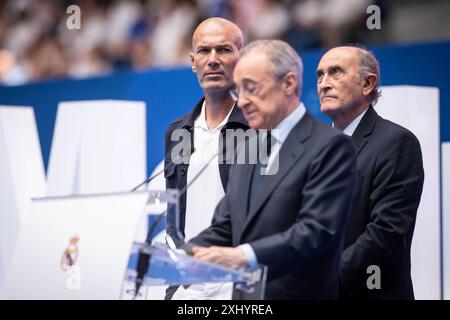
[{"x": 187, "y": 247}]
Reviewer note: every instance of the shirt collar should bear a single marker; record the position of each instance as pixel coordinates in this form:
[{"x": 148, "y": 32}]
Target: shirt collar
[
  {"x": 200, "y": 122},
  {"x": 236, "y": 119},
  {"x": 283, "y": 129},
  {"x": 350, "y": 129}
]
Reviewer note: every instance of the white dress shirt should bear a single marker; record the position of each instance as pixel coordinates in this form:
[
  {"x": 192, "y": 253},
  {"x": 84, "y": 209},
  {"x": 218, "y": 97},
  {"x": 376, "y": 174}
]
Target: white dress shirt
[
  {"x": 201, "y": 200},
  {"x": 350, "y": 129},
  {"x": 200, "y": 208}
]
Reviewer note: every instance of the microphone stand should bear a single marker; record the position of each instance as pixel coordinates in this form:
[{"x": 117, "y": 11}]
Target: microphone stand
[
  {"x": 147, "y": 181},
  {"x": 144, "y": 256}
]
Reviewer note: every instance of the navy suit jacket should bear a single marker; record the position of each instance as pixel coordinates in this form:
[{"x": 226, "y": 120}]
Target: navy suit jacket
[
  {"x": 297, "y": 225},
  {"x": 381, "y": 223}
]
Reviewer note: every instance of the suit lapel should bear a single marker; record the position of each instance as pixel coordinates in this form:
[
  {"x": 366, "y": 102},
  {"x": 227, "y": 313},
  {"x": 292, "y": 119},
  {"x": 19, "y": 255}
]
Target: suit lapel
[
  {"x": 289, "y": 154},
  {"x": 364, "y": 129}
]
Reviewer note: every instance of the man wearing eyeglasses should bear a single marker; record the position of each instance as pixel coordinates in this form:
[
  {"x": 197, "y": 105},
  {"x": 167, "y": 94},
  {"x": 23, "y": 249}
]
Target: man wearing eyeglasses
[
  {"x": 216, "y": 43},
  {"x": 292, "y": 220}
]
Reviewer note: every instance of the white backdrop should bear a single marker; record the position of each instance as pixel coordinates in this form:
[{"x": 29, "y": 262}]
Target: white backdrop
[
  {"x": 98, "y": 146},
  {"x": 446, "y": 216},
  {"x": 22, "y": 175},
  {"x": 417, "y": 109}
]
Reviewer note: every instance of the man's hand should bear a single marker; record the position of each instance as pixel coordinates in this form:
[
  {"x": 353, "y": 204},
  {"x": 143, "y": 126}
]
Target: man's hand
[{"x": 230, "y": 257}]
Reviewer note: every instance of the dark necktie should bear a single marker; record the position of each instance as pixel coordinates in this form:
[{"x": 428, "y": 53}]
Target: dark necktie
[{"x": 257, "y": 177}]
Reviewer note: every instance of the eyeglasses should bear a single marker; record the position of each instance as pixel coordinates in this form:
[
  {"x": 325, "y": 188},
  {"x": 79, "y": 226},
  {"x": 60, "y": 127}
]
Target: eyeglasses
[{"x": 249, "y": 90}]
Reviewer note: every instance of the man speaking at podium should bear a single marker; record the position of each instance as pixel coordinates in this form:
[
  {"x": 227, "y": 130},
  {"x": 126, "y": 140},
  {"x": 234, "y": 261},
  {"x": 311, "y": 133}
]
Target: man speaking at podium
[
  {"x": 216, "y": 43},
  {"x": 292, "y": 221}
]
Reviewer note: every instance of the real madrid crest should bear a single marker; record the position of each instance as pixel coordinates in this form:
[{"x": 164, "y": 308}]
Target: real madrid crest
[{"x": 70, "y": 255}]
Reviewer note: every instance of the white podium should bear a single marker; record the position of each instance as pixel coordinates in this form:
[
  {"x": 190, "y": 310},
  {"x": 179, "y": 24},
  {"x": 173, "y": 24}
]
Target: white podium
[
  {"x": 75, "y": 247},
  {"x": 82, "y": 247}
]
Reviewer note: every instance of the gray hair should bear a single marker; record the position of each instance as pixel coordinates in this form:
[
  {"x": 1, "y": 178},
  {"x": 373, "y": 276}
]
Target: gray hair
[
  {"x": 282, "y": 56},
  {"x": 368, "y": 64}
]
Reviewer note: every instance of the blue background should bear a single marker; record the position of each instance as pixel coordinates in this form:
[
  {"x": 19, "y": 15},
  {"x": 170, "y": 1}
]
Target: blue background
[{"x": 170, "y": 93}]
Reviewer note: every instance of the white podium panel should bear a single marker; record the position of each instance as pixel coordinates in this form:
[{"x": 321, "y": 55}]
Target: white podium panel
[
  {"x": 417, "y": 109},
  {"x": 98, "y": 146},
  {"x": 21, "y": 172},
  {"x": 75, "y": 247},
  {"x": 446, "y": 217}
]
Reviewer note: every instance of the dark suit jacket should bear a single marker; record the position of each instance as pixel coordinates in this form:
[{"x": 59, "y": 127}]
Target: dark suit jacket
[
  {"x": 296, "y": 226},
  {"x": 381, "y": 224}
]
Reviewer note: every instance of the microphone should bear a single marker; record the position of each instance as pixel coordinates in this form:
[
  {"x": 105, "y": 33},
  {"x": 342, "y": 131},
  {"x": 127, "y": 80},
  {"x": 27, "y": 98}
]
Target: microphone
[
  {"x": 144, "y": 253},
  {"x": 143, "y": 263},
  {"x": 147, "y": 181},
  {"x": 150, "y": 178}
]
